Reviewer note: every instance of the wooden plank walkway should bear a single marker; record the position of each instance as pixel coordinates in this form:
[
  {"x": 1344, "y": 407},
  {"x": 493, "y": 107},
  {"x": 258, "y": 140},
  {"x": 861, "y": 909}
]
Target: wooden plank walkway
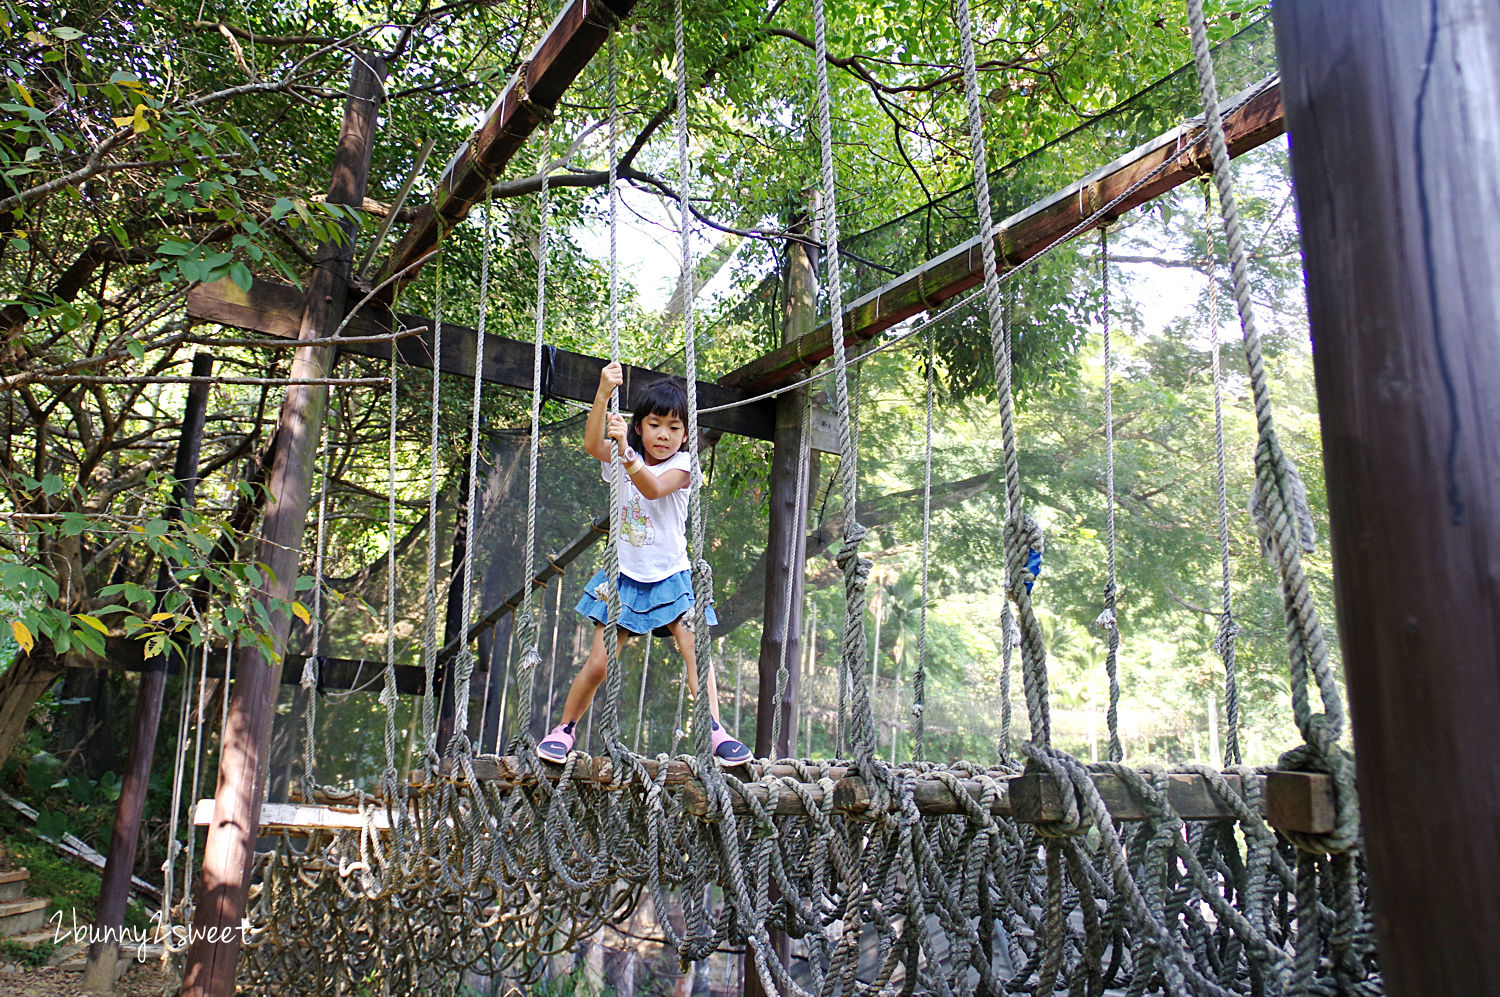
[{"x": 1294, "y": 801}]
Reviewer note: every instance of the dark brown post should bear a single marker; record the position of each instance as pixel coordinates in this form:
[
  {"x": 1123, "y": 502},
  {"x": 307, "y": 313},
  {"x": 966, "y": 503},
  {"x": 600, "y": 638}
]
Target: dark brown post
[
  {"x": 99, "y": 973},
  {"x": 786, "y": 553},
  {"x": 1391, "y": 106},
  {"x": 215, "y": 943},
  {"x": 786, "y": 538}
]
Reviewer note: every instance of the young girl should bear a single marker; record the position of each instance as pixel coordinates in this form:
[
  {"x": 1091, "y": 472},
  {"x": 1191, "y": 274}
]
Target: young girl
[{"x": 655, "y": 583}]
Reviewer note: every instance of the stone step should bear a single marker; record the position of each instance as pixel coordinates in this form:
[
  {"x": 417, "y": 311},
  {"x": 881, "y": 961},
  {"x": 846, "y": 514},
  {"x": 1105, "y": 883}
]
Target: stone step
[
  {"x": 66, "y": 955},
  {"x": 74, "y": 958},
  {"x": 31, "y": 939},
  {"x": 17, "y": 917},
  {"x": 13, "y": 884}
]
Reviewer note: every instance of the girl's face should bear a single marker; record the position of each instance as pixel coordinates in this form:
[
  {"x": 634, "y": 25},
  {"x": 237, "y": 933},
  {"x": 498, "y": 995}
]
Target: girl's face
[{"x": 661, "y": 436}]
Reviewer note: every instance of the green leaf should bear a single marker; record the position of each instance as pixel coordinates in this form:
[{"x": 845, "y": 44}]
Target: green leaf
[
  {"x": 240, "y": 274},
  {"x": 91, "y": 640},
  {"x": 40, "y": 776},
  {"x": 51, "y": 825},
  {"x": 51, "y": 485},
  {"x": 81, "y": 788}
]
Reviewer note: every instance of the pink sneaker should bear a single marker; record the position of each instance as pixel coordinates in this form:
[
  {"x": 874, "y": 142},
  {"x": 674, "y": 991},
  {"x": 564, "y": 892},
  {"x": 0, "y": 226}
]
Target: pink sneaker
[
  {"x": 556, "y": 745},
  {"x": 727, "y": 751}
]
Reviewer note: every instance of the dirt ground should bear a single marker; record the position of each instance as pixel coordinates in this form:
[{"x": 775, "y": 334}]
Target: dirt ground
[{"x": 141, "y": 980}]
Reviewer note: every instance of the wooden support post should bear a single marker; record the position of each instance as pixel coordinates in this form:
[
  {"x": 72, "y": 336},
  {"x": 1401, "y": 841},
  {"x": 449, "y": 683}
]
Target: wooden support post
[
  {"x": 1393, "y": 116},
  {"x": 786, "y": 555},
  {"x": 786, "y": 539},
  {"x": 214, "y": 945},
  {"x": 99, "y": 973}
]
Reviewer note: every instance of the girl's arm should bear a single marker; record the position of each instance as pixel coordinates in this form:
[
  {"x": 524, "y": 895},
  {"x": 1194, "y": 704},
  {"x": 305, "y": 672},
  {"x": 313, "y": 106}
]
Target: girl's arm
[
  {"x": 654, "y": 488},
  {"x": 594, "y": 441},
  {"x": 646, "y": 480}
]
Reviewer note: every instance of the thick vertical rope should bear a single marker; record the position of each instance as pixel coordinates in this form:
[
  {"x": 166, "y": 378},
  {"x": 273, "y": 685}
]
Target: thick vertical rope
[
  {"x": 856, "y": 568},
  {"x": 1276, "y": 487},
  {"x": 388, "y": 696},
  {"x": 1228, "y": 630},
  {"x": 702, "y": 575},
  {"x": 429, "y": 642},
  {"x": 1033, "y": 652},
  {"x": 459, "y": 743},
  {"x": 610, "y": 714},
  {"x": 312, "y": 664},
  {"x": 1109, "y": 620},
  {"x": 919, "y": 677},
  {"x": 526, "y": 627}
]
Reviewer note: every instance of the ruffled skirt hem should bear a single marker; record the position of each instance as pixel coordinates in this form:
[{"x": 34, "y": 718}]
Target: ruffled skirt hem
[{"x": 645, "y": 607}]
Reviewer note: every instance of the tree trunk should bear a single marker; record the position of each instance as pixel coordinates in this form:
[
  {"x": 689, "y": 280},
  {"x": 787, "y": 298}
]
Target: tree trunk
[{"x": 21, "y": 685}]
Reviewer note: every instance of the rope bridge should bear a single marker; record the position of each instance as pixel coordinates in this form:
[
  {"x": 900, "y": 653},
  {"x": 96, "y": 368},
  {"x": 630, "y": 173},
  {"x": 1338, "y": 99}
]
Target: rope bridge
[{"x": 1034, "y": 873}]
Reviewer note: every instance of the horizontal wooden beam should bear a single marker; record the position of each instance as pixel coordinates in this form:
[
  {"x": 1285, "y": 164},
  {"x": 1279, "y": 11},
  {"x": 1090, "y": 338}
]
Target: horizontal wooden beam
[
  {"x": 1021, "y": 237},
  {"x": 274, "y": 309},
  {"x": 1295, "y": 801},
  {"x": 575, "y": 36},
  {"x": 301, "y": 817}
]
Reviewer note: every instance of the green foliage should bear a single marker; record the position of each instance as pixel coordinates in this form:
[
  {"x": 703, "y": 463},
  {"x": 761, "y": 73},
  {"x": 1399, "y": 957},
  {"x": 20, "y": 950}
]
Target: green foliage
[
  {"x": 72, "y": 886},
  {"x": 204, "y": 154},
  {"x": 14, "y": 952}
]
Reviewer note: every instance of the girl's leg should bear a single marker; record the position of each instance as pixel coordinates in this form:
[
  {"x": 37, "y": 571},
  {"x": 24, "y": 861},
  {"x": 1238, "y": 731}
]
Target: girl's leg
[
  {"x": 726, "y": 749},
  {"x": 687, "y": 648},
  {"x": 590, "y": 677}
]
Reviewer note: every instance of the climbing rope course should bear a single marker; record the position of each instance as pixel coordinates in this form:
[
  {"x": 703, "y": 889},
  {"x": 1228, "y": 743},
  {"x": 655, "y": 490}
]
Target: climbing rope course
[{"x": 1031, "y": 873}]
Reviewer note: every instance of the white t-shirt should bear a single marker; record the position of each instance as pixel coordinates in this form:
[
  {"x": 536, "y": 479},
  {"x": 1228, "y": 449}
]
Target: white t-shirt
[{"x": 653, "y": 532}]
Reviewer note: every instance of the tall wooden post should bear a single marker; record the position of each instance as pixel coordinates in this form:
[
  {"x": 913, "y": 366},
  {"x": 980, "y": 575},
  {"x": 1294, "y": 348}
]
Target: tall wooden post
[
  {"x": 114, "y": 892},
  {"x": 1394, "y": 119},
  {"x": 786, "y": 554},
  {"x": 215, "y": 944}
]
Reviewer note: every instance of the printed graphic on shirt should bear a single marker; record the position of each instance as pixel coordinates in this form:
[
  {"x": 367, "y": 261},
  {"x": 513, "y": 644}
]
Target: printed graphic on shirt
[{"x": 636, "y": 527}]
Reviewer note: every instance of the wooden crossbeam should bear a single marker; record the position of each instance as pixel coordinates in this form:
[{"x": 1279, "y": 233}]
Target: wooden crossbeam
[
  {"x": 294, "y": 817},
  {"x": 1019, "y": 238},
  {"x": 274, "y": 309},
  {"x": 578, "y": 32},
  {"x": 1295, "y": 801}
]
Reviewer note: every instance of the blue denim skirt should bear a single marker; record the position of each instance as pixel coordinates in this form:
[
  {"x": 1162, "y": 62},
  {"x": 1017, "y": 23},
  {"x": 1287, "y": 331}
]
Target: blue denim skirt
[{"x": 645, "y": 607}]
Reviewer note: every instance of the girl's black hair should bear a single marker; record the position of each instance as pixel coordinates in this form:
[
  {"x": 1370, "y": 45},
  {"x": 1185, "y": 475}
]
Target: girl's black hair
[{"x": 666, "y": 397}]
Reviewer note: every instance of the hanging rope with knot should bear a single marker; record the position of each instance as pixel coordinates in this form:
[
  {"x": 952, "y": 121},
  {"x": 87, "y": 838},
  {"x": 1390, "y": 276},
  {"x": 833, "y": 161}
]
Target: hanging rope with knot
[
  {"x": 1278, "y": 488},
  {"x": 1033, "y": 651},
  {"x": 855, "y": 567},
  {"x": 1229, "y": 630},
  {"x": 527, "y": 627},
  {"x": 1109, "y": 619}
]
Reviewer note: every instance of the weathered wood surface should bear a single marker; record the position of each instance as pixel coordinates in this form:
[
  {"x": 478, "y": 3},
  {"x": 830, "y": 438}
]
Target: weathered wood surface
[
  {"x": 273, "y": 309},
  {"x": 1017, "y": 240},
  {"x": 1295, "y": 801},
  {"x": 278, "y": 817},
  {"x": 578, "y": 32},
  {"x": 1394, "y": 113}
]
